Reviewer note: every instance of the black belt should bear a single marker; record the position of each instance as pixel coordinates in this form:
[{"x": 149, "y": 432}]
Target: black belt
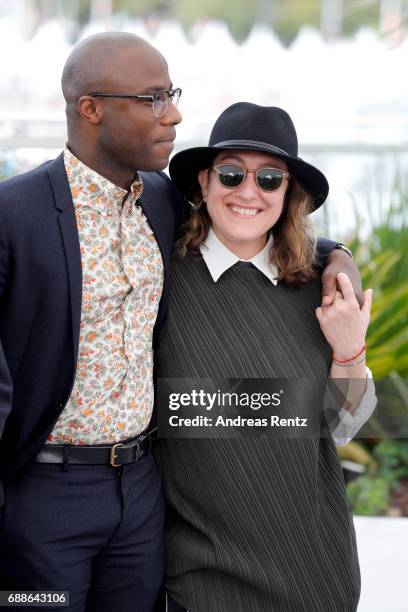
[{"x": 115, "y": 455}]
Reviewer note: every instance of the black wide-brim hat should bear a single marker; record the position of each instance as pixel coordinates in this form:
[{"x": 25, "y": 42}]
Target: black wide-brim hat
[{"x": 246, "y": 126}]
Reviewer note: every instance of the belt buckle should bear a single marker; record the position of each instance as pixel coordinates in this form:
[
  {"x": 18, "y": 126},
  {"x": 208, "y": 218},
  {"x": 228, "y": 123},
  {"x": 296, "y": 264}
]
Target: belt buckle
[{"x": 114, "y": 456}]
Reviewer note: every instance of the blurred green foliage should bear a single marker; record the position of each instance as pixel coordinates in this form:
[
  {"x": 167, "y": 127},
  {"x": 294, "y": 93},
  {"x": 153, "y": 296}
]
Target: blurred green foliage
[
  {"x": 286, "y": 17},
  {"x": 239, "y": 15},
  {"x": 368, "y": 495},
  {"x": 357, "y": 14},
  {"x": 371, "y": 494},
  {"x": 289, "y": 17},
  {"x": 383, "y": 262},
  {"x": 392, "y": 457},
  {"x": 3, "y": 170}
]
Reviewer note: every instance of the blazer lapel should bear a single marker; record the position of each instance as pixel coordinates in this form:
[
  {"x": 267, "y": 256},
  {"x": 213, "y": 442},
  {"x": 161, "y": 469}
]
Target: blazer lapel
[
  {"x": 69, "y": 231},
  {"x": 155, "y": 207}
]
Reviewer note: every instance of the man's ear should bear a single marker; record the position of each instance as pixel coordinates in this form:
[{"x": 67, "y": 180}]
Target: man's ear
[
  {"x": 90, "y": 109},
  {"x": 203, "y": 176}
]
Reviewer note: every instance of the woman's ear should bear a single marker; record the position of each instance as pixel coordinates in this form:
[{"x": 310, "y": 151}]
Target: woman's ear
[{"x": 203, "y": 180}]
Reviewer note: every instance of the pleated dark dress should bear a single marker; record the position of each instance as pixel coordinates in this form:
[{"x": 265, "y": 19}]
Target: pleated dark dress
[{"x": 254, "y": 524}]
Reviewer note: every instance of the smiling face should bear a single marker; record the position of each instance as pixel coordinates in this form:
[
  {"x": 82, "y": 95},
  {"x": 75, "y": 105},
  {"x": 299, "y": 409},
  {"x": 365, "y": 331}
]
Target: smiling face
[{"x": 242, "y": 217}]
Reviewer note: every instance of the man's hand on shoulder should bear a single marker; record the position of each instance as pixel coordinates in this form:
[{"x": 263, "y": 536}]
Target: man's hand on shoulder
[{"x": 340, "y": 261}]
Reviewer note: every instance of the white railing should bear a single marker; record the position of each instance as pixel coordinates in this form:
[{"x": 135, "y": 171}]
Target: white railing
[{"x": 48, "y": 131}]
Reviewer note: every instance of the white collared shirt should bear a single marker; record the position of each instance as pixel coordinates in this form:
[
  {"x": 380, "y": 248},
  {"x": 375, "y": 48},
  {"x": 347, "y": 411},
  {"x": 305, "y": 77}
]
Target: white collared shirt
[{"x": 219, "y": 259}]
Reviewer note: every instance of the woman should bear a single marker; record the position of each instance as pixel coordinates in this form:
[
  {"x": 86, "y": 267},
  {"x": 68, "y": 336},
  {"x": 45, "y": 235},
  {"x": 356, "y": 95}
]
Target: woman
[{"x": 257, "y": 524}]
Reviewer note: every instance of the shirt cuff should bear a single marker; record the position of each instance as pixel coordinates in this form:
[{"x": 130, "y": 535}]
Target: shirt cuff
[{"x": 349, "y": 424}]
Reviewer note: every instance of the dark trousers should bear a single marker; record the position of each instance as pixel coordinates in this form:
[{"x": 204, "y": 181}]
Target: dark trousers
[
  {"x": 166, "y": 604},
  {"x": 95, "y": 531}
]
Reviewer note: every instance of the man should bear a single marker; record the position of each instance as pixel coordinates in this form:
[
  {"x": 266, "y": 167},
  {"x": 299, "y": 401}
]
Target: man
[{"x": 85, "y": 242}]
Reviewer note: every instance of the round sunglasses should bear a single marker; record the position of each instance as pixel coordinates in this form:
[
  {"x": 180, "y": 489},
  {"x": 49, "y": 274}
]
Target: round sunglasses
[{"x": 233, "y": 175}]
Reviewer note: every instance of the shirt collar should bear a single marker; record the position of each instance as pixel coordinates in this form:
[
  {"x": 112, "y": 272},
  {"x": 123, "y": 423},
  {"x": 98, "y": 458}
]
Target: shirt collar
[
  {"x": 97, "y": 190},
  {"x": 219, "y": 258}
]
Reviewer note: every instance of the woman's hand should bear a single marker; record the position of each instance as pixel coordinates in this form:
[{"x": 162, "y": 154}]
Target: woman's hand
[{"x": 343, "y": 323}]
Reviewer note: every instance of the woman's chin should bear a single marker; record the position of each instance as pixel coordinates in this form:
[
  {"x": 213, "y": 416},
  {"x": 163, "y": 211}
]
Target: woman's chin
[
  {"x": 246, "y": 236},
  {"x": 242, "y": 243}
]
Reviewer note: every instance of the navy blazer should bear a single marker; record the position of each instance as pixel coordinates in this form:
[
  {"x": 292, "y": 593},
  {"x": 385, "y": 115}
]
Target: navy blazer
[{"x": 40, "y": 299}]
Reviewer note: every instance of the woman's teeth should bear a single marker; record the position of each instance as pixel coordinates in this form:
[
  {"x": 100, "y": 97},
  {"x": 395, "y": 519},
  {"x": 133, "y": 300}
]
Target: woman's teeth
[{"x": 248, "y": 212}]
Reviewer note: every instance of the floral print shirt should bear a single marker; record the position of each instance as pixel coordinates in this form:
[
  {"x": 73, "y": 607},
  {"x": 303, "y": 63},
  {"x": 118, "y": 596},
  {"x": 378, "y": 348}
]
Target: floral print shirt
[{"x": 122, "y": 272}]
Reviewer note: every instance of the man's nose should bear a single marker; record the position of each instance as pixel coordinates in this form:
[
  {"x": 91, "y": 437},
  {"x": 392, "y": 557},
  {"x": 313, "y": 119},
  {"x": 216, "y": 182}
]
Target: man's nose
[{"x": 172, "y": 116}]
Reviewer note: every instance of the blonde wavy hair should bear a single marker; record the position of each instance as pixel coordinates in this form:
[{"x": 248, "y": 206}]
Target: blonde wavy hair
[{"x": 294, "y": 242}]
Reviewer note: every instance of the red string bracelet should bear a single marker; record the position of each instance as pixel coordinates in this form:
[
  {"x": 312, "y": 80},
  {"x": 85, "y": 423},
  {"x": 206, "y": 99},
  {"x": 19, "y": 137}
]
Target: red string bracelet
[{"x": 351, "y": 358}]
